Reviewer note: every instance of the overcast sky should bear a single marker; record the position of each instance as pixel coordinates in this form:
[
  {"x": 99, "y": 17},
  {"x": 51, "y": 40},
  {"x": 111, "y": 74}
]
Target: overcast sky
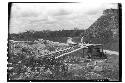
[{"x": 54, "y": 16}]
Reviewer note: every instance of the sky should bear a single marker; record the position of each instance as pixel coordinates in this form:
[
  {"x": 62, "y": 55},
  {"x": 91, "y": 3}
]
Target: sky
[{"x": 55, "y": 16}]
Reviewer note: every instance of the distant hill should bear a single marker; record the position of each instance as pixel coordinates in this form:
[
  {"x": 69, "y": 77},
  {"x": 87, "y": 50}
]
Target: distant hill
[
  {"x": 59, "y": 36},
  {"x": 105, "y": 30}
]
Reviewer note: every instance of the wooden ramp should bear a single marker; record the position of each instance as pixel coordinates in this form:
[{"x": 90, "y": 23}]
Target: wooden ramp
[
  {"x": 61, "y": 53},
  {"x": 69, "y": 52}
]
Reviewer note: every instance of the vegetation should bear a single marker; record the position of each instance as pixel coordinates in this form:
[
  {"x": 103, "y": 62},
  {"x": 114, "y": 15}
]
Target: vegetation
[{"x": 105, "y": 30}]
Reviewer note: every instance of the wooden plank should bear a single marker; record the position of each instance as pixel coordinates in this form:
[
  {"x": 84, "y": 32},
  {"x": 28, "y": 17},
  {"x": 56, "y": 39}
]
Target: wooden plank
[{"x": 70, "y": 52}]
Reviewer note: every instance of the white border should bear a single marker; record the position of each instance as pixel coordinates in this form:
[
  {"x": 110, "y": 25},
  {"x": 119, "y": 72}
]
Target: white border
[{"x": 4, "y": 30}]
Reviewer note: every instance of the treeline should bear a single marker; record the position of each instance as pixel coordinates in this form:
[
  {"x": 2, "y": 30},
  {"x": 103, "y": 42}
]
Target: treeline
[{"x": 33, "y": 35}]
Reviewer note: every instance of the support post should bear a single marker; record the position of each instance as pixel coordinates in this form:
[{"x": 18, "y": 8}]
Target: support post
[{"x": 83, "y": 52}]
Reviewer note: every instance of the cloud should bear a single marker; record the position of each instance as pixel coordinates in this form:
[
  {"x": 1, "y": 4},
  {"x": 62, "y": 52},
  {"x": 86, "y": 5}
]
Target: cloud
[
  {"x": 24, "y": 14},
  {"x": 38, "y": 20},
  {"x": 93, "y": 12},
  {"x": 60, "y": 12},
  {"x": 29, "y": 14},
  {"x": 18, "y": 12}
]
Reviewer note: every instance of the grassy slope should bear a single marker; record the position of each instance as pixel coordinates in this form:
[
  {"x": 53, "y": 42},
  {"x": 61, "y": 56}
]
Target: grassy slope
[{"x": 110, "y": 69}]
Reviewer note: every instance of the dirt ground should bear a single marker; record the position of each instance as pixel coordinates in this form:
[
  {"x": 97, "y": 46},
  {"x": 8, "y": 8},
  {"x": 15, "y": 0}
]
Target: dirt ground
[{"x": 97, "y": 69}]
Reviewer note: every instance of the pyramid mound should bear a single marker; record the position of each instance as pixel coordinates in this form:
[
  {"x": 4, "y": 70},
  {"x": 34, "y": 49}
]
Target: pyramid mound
[{"x": 105, "y": 29}]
